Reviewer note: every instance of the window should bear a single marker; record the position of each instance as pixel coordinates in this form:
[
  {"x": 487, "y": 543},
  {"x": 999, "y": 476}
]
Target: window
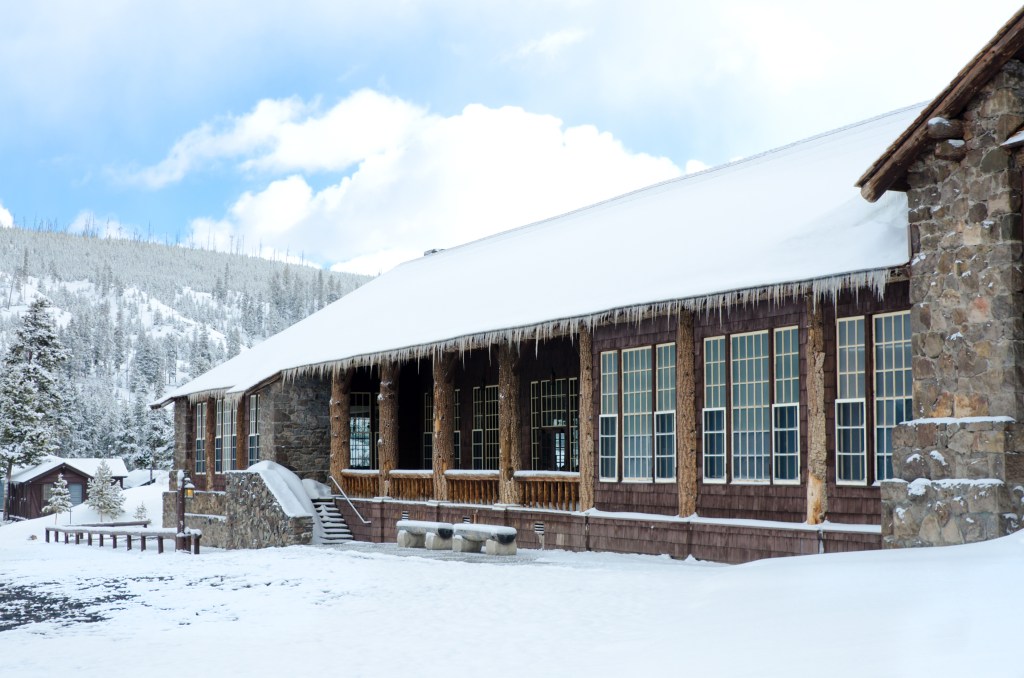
[
  {"x": 554, "y": 425},
  {"x": 362, "y": 443},
  {"x": 76, "y": 493},
  {"x": 254, "y": 428},
  {"x": 713, "y": 414},
  {"x": 491, "y": 428},
  {"x": 893, "y": 384},
  {"x": 644, "y": 390},
  {"x": 478, "y": 428},
  {"x": 225, "y": 441},
  {"x": 457, "y": 453},
  {"x": 428, "y": 429},
  {"x": 786, "y": 410},
  {"x": 751, "y": 447},
  {"x": 851, "y": 442},
  {"x": 200, "y": 439},
  {"x": 609, "y": 419}
]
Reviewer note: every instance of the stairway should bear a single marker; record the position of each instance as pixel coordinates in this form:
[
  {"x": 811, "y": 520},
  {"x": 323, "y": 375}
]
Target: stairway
[{"x": 335, "y": 531}]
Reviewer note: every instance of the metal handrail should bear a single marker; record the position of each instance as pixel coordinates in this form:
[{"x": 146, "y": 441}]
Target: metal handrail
[{"x": 358, "y": 514}]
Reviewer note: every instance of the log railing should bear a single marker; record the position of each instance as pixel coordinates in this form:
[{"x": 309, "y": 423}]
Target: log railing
[
  {"x": 549, "y": 490},
  {"x": 360, "y": 483},
  {"x": 411, "y": 485},
  {"x": 472, "y": 487}
]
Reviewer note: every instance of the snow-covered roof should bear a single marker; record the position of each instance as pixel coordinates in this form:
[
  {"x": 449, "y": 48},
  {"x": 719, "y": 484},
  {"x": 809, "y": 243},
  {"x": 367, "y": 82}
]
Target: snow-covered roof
[
  {"x": 85, "y": 465},
  {"x": 789, "y": 220}
]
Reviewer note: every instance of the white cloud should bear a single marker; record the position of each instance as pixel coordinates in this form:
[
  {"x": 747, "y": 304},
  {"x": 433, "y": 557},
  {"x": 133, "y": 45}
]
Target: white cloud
[
  {"x": 551, "y": 43},
  {"x": 422, "y": 181},
  {"x": 88, "y": 223},
  {"x": 694, "y": 165},
  {"x": 6, "y": 220}
]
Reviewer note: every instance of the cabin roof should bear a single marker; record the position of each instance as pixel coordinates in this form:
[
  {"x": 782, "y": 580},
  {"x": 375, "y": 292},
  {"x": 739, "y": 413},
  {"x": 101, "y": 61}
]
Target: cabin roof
[
  {"x": 889, "y": 171},
  {"x": 86, "y": 466},
  {"x": 782, "y": 222}
]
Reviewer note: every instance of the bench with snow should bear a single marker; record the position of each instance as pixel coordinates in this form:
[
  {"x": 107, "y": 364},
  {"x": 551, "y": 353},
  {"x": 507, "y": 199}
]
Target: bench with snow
[
  {"x": 424, "y": 534},
  {"x": 497, "y": 540}
]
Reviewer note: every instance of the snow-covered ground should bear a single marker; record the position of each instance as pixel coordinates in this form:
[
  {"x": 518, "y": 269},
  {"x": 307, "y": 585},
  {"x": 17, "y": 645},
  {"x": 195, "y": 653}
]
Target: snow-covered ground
[{"x": 365, "y": 610}]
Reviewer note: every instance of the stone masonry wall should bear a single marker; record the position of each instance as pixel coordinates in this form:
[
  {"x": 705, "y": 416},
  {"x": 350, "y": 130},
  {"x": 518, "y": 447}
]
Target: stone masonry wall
[
  {"x": 255, "y": 518},
  {"x": 295, "y": 426},
  {"x": 956, "y": 467}
]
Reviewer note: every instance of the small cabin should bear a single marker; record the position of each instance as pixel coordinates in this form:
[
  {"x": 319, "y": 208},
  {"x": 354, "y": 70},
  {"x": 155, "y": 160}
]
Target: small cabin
[{"x": 31, "y": 485}]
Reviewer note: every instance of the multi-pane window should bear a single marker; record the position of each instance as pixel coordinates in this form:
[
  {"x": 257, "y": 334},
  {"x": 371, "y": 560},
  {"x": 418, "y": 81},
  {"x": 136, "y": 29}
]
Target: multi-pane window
[
  {"x": 554, "y": 425},
  {"x": 642, "y": 396},
  {"x": 713, "y": 414},
  {"x": 200, "y": 438},
  {"x": 254, "y": 428},
  {"x": 457, "y": 452},
  {"x": 751, "y": 441},
  {"x": 428, "y": 429},
  {"x": 786, "y": 409},
  {"x": 218, "y": 437},
  {"x": 893, "y": 384},
  {"x": 225, "y": 440},
  {"x": 851, "y": 433},
  {"x": 478, "y": 428},
  {"x": 490, "y": 461},
  {"x": 609, "y": 419},
  {"x": 362, "y": 441}
]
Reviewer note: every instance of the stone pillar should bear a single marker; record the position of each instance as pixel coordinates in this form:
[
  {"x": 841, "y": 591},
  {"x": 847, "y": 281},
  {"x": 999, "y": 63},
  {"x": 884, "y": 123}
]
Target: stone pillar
[
  {"x": 817, "y": 450},
  {"x": 509, "y": 455},
  {"x": 341, "y": 386},
  {"x": 388, "y": 443},
  {"x": 686, "y": 416},
  {"x": 587, "y": 423},
  {"x": 444, "y": 421},
  {"x": 242, "y": 432},
  {"x": 966, "y": 315},
  {"x": 211, "y": 434}
]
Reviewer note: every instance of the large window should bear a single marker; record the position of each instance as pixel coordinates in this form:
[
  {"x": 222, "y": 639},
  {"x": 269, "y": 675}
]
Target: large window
[
  {"x": 713, "y": 414},
  {"x": 554, "y": 425},
  {"x": 786, "y": 410},
  {"x": 225, "y": 440},
  {"x": 200, "y": 439},
  {"x": 641, "y": 396},
  {"x": 750, "y": 406},
  {"x": 893, "y": 384},
  {"x": 485, "y": 428},
  {"x": 851, "y": 419},
  {"x": 457, "y": 452},
  {"x": 254, "y": 428},
  {"x": 428, "y": 429},
  {"x": 362, "y": 442}
]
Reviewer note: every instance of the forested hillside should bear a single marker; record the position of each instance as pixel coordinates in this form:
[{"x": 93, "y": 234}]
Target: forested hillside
[{"x": 139, "y": 318}]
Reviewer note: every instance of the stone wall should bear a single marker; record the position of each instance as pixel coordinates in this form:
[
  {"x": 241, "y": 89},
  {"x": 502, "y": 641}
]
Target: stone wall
[
  {"x": 956, "y": 468},
  {"x": 295, "y": 427},
  {"x": 205, "y": 511},
  {"x": 255, "y": 518}
]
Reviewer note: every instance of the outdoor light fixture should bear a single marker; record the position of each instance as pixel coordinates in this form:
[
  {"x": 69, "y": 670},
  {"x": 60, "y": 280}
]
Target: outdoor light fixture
[{"x": 189, "y": 488}]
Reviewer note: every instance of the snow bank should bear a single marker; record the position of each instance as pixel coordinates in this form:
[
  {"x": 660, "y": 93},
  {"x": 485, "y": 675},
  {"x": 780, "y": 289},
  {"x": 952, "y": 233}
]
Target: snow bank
[{"x": 286, "y": 487}]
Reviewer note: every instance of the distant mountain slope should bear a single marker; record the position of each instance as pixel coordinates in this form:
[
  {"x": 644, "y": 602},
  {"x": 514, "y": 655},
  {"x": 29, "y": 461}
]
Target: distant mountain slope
[{"x": 141, "y": 317}]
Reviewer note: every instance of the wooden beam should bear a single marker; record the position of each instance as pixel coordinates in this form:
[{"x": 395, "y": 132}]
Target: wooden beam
[
  {"x": 686, "y": 416},
  {"x": 341, "y": 387},
  {"x": 509, "y": 456},
  {"x": 388, "y": 443},
  {"x": 587, "y": 423},
  {"x": 443, "y": 444},
  {"x": 817, "y": 452}
]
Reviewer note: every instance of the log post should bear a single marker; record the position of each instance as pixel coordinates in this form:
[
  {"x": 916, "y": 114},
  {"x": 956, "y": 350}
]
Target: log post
[
  {"x": 686, "y": 416},
  {"x": 817, "y": 452},
  {"x": 444, "y": 421},
  {"x": 509, "y": 456},
  {"x": 211, "y": 434},
  {"x": 586, "y": 424},
  {"x": 242, "y": 433},
  {"x": 388, "y": 443},
  {"x": 341, "y": 386}
]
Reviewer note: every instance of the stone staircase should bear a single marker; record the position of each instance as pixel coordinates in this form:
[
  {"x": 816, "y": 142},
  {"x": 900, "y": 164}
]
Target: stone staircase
[{"x": 335, "y": 530}]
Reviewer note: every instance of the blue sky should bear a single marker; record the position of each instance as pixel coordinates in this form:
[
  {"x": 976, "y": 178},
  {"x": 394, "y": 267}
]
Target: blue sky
[{"x": 355, "y": 134}]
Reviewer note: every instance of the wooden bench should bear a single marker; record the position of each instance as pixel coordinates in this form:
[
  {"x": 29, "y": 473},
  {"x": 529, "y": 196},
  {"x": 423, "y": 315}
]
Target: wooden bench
[
  {"x": 424, "y": 534},
  {"x": 497, "y": 540}
]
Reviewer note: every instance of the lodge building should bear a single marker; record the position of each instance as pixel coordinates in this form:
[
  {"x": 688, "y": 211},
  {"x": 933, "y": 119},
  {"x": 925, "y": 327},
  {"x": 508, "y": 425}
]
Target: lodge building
[{"x": 754, "y": 360}]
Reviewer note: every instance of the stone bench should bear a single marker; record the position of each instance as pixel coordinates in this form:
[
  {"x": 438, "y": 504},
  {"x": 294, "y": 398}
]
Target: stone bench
[
  {"x": 424, "y": 534},
  {"x": 498, "y": 540}
]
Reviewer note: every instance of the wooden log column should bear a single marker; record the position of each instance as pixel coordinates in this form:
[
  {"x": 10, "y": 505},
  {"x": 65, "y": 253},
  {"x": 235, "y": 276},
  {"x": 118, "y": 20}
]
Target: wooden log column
[
  {"x": 211, "y": 435},
  {"x": 242, "y": 433},
  {"x": 509, "y": 457},
  {"x": 686, "y": 416},
  {"x": 444, "y": 422},
  {"x": 341, "y": 386},
  {"x": 817, "y": 452},
  {"x": 586, "y": 425},
  {"x": 388, "y": 443}
]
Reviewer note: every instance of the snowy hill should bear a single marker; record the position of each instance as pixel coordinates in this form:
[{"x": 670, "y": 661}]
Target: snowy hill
[{"x": 141, "y": 318}]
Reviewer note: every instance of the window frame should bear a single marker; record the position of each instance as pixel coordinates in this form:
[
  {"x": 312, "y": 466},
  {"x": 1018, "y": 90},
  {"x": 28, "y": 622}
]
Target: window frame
[
  {"x": 907, "y": 397},
  {"x": 200, "y": 441},
  {"x": 658, "y": 371},
  {"x": 777, "y": 404},
  {"x": 722, "y": 408},
  {"x": 610, "y": 400},
  {"x": 253, "y": 450},
  {"x": 747, "y": 409},
  {"x": 861, "y": 399}
]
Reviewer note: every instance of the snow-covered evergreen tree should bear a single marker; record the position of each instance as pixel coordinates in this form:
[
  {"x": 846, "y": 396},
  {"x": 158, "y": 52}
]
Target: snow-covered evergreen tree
[
  {"x": 32, "y": 398},
  {"x": 105, "y": 497},
  {"x": 140, "y": 512},
  {"x": 60, "y": 498}
]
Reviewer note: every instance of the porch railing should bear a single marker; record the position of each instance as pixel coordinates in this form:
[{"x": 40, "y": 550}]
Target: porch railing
[
  {"x": 556, "y": 490},
  {"x": 411, "y": 485},
  {"x": 472, "y": 487},
  {"x": 361, "y": 483}
]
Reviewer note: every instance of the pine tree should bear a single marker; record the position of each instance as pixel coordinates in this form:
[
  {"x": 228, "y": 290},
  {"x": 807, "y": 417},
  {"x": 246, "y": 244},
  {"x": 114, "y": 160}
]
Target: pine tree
[
  {"x": 140, "y": 512},
  {"x": 60, "y": 498},
  {"x": 105, "y": 497},
  {"x": 32, "y": 401}
]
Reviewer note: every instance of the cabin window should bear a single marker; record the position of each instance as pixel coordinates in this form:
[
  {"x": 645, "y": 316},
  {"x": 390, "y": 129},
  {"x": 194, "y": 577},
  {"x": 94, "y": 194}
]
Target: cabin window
[
  {"x": 609, "y": 419},
  {"x": 254, "y": 428},
  {"x": 362, "y": 425},
  {"x": 786, "y": 410},
  {"x": 200, "y": 439},
  {"x": 713, "y": 414},
  {"x": 644, "y": 392},
  {"x": 893, "y": 384},
  {"x": 76, "y": 490},
  {"x": 851, "y": 430},
  {"x": 457, "y": 452},
  {"x": 225, "y": 441},
  {"x": 554, "y": 425},
  {"x": 428, "y": 429}
]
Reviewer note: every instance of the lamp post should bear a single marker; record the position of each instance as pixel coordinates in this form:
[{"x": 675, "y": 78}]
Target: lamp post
[{"x": 185, "y": 490}]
